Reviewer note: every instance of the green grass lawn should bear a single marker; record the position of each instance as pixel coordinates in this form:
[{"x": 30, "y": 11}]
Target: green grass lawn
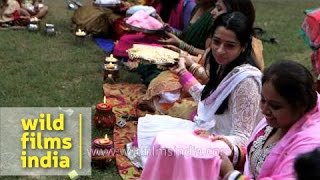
[{"x": 41, "y": 71}]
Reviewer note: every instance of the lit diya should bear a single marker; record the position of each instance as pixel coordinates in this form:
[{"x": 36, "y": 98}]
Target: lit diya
[
  {"x": 80, "y": 36},
  {"x": 111, "y": 63},
  {"x": 102, "y": 143},
  {"x": 105, "y": 140},
  {"x": 111, "y": 69},
  {"x": 111, "y": 59}
]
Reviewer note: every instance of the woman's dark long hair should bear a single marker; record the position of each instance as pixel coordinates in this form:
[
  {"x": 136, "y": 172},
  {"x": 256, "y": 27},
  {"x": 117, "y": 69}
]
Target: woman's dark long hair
[
  {"x": 239, "y": 24},
  {"x": 167, "y": 7}
]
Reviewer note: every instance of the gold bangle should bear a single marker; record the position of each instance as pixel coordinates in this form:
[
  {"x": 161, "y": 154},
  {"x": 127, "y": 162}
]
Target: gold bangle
[
  {"x": 193, "y": 66},
  {"x": 200, "y": 71},
  {"x": 195, "y": 70}
]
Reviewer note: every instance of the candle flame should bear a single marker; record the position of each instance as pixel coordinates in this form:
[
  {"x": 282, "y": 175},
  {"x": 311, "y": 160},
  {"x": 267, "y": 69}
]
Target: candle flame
[
  {"x": 106, "y": 137},
  {"x": 104, "y": 99}
]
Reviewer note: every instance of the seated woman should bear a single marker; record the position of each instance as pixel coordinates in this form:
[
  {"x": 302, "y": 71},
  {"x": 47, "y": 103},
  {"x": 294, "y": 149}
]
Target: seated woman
[
  {"x": 291, "y": 107},
  {"x": 227, "y": 104},
  {"x": 34, "y": 8},
  {"x": 197, "y": 31},
  {"x": 9, "y": 11},
  {"x": 190, "y": 42},
  {"x": 160, "y": 88}
]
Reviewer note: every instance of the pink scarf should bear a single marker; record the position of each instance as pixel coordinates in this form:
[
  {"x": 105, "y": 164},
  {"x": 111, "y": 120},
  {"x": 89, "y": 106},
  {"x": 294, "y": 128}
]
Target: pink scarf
[{"x": 176, "y": 16}]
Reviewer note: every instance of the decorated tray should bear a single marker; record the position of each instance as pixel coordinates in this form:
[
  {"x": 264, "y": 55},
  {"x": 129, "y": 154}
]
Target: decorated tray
[{"x": 153, "y": 55}]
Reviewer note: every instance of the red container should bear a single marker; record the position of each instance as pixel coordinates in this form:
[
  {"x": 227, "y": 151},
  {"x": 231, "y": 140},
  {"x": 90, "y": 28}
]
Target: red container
[
  {"x": 104, "y": 117},
  {"x": 102, "y": 153}
]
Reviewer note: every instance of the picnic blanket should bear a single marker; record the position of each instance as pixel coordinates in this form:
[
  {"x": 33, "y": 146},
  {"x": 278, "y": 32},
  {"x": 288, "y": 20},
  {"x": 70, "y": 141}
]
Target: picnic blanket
[
  {"x": 121, "y": 137},
  {"x": 124, "y": 97}
]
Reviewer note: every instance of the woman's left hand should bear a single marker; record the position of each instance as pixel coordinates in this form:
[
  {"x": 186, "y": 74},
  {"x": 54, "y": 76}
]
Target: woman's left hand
[
  {"x": 226, "y": 165},
  {"x": 172, "y": 47}
]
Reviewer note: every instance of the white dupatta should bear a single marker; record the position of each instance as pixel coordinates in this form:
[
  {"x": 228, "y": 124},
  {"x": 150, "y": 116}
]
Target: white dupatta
[{"x": 208, "y": 107}]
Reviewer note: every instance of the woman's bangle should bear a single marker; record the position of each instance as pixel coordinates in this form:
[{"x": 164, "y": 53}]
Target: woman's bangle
[
  {"x": 190, "y": 49},
  {"x": 236, "y": 154},
  {"x": 201, "y": 74},
  {"x": 234, "y": 175},
  {"x": 182, "y": 45},
  {"x": 193, "y": 67},
  {"x": 196, "y": 70}
]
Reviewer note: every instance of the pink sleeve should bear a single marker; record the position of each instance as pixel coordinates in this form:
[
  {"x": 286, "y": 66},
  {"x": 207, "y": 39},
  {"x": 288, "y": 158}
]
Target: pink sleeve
[
  {"x": 187, "y": 80},
  {"x": 192, "y": 85}
]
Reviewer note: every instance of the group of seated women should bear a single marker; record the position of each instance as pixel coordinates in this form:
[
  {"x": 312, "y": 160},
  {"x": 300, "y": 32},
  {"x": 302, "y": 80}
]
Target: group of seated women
[
  {"x": 220, "y": 71},
  {"x": 228, "y": 110}
]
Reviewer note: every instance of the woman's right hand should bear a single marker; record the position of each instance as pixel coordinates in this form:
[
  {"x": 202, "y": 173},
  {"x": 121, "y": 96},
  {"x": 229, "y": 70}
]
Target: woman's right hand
[
  {"x": 189, "y": 60},
  {"x": 180, "y": 67}
]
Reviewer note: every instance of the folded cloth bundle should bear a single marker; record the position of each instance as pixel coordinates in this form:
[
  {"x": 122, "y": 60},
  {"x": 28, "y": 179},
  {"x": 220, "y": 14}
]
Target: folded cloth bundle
[
  {"x": 148, "y": 9},
  {"x": 142, "y": 19}
]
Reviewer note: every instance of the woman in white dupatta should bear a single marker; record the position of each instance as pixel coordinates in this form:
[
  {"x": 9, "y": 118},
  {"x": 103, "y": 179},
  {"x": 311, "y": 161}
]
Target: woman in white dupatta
[{"x": 229, "y": 102}]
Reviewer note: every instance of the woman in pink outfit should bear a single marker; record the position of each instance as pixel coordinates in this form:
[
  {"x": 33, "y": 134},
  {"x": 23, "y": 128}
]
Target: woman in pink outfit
[{"x": 291, "y": 126}]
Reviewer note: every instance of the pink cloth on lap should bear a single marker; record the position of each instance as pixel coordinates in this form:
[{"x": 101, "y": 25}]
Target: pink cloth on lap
[{"x": 183, "y": 155}]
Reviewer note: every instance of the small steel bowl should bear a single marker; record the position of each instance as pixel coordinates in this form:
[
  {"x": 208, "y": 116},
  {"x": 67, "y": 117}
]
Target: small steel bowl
[
  {"x": 33, "y": 27},
  {"x": 50, "y": 29}
]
